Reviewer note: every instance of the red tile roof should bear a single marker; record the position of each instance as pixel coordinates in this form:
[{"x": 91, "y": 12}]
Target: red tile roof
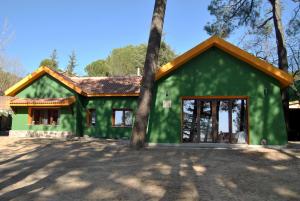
[
  {"x": 42, "y": 101},
  {"x": 109, "y": 85}
]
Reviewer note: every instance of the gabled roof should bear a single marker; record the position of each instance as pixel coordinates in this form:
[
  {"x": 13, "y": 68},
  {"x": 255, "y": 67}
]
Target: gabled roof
[
  {"x": 86, "y": 86},
  {"x": 37, "y": 74},
  {"x": 284, "y": 78}
]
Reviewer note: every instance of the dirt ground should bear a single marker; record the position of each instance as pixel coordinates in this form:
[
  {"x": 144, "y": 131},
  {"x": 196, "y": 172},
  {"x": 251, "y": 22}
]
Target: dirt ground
[{"x": 44, "y": 169}]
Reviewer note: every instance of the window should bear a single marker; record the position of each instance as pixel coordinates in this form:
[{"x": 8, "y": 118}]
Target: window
[
  {"x": 91, "y": 117},
  {"x": 122, "y": 118},
  {"x": 44, "y": 117},
  {"x": 222, "y": 120}
]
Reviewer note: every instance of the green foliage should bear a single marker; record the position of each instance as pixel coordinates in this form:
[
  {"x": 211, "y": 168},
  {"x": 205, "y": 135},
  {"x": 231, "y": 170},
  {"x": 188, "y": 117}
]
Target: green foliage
[
  {"x": 126, "y": 60},
  {"x": 71, "y": 65},
  {"x": 47, "y": 62},
  {"x": 97, "y": 68},
  {"x": 231, "y": 14},
  {"x": 51, "y": 62}
]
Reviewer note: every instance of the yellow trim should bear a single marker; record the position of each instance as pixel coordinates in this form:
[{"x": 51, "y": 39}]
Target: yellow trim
[
  {"x": 24, "y": 82},
  {"x": 37, "y": 74},
  {"x": 66, "y": 102},
  {"x": 284, "y": 78}
]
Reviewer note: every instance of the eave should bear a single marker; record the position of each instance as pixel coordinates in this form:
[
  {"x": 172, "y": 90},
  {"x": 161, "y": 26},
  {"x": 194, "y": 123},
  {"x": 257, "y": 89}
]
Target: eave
[{"x": 26, "y": 102}]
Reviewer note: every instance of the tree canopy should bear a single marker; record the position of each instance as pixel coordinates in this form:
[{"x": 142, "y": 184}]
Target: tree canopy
[
  {"x": 126, "y": 60},
  {"x": 52, "y": 61},
  {"x": 253, "y": 22},
  {"x": 97, "y": 68}
]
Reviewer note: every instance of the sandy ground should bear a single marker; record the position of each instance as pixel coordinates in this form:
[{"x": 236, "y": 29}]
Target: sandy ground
[{"x": 43, "y": 169}]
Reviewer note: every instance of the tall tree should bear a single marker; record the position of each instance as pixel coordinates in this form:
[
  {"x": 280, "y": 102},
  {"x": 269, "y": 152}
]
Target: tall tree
[
  {"x": 145, "y": 98},
  {"x": 53, "y": 58},
  {"x": 232, "y": 14},
  {"x": 72, "y": 64}
]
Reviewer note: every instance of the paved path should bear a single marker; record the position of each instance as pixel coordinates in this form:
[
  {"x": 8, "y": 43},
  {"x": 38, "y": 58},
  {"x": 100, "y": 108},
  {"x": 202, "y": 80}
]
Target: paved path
[{"x": 43, "y": 169}]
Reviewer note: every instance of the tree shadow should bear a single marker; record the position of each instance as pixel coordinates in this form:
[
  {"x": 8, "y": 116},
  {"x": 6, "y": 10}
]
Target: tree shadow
[{"x": 109, "y": 170}]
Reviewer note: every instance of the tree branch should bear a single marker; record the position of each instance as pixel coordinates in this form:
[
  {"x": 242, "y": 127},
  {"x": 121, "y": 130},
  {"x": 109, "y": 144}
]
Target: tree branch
[{"x": 265, "y": 22}]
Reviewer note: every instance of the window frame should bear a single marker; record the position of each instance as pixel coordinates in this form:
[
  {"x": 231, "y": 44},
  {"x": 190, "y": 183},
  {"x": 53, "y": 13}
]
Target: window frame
[
  {"x": 31, "y": 116},
  {"x": 218, "y": 98},
  {"x": 123, "y": 119},
  {"x": 89, "y": 117}
]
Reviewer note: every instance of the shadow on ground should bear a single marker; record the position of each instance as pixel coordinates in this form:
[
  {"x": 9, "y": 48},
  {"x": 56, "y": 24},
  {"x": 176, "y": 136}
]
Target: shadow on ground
[{"x": 42, "y": 169}]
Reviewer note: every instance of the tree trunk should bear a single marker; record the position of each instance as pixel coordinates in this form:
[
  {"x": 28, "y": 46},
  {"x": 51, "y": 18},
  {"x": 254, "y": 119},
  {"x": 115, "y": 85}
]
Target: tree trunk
[
  {"x": 198, "y": 119},
  {"x": 144, "y": 102},
  {"x": 282, "y": 54},
  {"x": 242, "y": 116},
  {"x": 194, "y": 120}
]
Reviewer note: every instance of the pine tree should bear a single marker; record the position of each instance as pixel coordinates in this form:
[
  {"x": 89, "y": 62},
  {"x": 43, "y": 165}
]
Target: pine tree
[
  {"x": 145, "y": 98},
  {"x": 72, "y": 63}
]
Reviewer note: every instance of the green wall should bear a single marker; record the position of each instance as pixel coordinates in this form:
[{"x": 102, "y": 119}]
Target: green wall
[
  {"x": 104, "y": 108},
  {"x": 213, "y": 73},
  {"x": 46, "y": 87},
  {"x": 66, "y": 121},
  {"x": 216, "y": 73}
]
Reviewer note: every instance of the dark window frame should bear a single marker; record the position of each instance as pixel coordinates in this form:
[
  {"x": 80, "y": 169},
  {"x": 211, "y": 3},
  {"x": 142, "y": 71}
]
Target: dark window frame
[
  {"x": 90, "y": 116},
  {"x": 218, "y": 98},
  {"x": 123, "y": 110},
  {"x": 51, "y": 114}
]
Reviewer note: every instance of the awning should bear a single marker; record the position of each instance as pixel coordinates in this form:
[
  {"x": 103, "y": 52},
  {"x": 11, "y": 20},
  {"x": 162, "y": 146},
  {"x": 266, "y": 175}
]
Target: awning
[{"x": 40, "y": 102}]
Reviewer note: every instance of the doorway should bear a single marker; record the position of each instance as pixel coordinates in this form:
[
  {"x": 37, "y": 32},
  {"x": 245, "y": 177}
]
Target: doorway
[{"x": 215, "y": 120}]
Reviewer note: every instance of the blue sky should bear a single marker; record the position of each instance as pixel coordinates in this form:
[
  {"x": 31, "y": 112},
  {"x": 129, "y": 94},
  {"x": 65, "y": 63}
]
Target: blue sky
[{"x": 92, "y": 28}]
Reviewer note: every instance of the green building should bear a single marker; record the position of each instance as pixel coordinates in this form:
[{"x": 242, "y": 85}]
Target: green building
[{"x": 214, "y": 92}]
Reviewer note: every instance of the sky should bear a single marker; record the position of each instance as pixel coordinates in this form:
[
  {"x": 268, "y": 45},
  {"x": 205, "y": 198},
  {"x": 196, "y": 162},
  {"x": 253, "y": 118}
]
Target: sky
[{"x": 93, "y": 28}]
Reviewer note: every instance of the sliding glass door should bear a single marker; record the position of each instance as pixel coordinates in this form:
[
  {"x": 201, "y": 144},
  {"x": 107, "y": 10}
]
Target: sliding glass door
[{"x": 217, "y": 120}]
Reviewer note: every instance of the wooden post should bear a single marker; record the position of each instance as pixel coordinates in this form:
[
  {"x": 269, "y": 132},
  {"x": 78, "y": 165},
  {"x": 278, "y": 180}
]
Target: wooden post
[
  {"x": 29, "y": 115},
  {"x": 214, "y": 120},
  {"x": 194, "y": 119},
  {"x": 230, "y": 120},
  {"x": 198, "y": 120}
]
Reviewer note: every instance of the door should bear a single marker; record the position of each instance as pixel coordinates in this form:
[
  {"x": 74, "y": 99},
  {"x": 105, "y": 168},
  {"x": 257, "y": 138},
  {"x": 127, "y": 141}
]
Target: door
[{"x": 214, "y": 120}]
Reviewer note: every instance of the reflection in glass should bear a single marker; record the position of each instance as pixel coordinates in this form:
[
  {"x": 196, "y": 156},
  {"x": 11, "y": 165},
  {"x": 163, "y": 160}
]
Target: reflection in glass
[{"x": 218, "y": 120}]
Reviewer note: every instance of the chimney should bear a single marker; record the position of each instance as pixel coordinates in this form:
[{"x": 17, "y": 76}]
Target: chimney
[{"x": 138, "y": 71}]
